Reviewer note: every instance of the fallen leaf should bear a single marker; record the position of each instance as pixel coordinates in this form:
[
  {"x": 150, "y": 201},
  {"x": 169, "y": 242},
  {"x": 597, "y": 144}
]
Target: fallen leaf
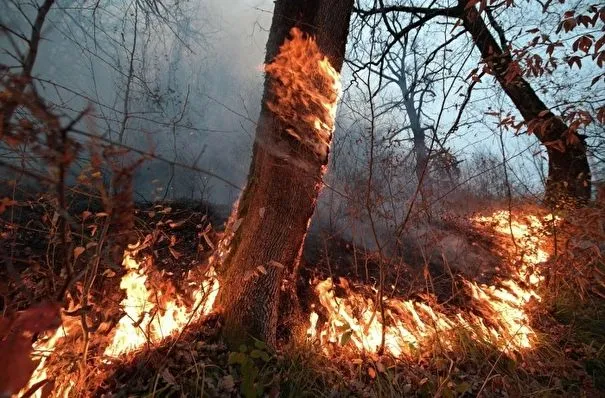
[
  {"x": 168, "y": 377},
  {"x": 78, "y": 251},
  {"x": 372, "y": 372},
  {"x": 17, "y": 366},
  {"x": 227, "y": 384},
  {"x": 175, "y": 253},
  {"x": 109, "y": 273},
  {"x": 176, "y": 224}
]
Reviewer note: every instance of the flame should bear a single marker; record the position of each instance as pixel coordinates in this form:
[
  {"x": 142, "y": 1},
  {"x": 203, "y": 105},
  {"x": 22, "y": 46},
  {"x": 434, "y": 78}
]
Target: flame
[
  {"x": 499, "y": 312},
  {"x": 41, "y": 351},
  {"x": 143, "y": 321},
  {"x": 305, "y": 89}
]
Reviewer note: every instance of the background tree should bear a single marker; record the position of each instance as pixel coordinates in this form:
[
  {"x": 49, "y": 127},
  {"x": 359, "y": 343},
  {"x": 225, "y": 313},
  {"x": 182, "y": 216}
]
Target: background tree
[{"x": 569, "y": 171}]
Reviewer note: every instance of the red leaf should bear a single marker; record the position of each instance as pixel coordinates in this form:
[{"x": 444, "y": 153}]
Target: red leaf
[
  {"x": 574, "y": 60},
  {"x": 583, "y": 43},
  {"x": 599, "y": 44},
  {"x": 38, "y": 319},
  {"x": 16, "y": 366},
  {"x": 601, "y": 115}
]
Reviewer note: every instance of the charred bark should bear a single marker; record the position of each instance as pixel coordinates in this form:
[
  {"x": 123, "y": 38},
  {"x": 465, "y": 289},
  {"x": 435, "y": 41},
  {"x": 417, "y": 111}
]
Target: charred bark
[
  {"x": 568, "y": 169},
  {"x": 266, "y": 231}
]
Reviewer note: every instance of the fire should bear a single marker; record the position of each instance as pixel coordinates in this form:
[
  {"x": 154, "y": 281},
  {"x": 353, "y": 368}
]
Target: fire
[
  {"x": 499, "y": 314},
  {"x": 305, "y": 89},
  {"x": 42, "y": 349},
  {"x": 144, "y": 320}
]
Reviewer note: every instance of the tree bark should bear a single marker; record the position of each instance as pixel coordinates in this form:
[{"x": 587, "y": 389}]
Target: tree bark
[
  {"x": 264, "y": 237},
  {"x": 569, "y": 174},
  {"x": 422, "y": 156}
]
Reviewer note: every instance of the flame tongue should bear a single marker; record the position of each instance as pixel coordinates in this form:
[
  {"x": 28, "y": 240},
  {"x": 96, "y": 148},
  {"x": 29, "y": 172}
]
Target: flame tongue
[
  {"x": 305, "y": 92},
  {"x": 143, "y": 322},
  {"x": 499, "y": 314}
]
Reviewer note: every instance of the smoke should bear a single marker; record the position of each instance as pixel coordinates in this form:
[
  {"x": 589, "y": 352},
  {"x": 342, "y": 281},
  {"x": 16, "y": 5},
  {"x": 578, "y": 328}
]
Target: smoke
[{"x": 184, "y": 85}]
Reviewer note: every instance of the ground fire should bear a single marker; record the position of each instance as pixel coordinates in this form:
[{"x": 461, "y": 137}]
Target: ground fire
[{"x": 497, "y": 314}]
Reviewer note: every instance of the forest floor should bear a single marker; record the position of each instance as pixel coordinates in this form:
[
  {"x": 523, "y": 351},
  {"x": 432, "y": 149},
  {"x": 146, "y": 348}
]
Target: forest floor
[{"x": 567, "y": 359}]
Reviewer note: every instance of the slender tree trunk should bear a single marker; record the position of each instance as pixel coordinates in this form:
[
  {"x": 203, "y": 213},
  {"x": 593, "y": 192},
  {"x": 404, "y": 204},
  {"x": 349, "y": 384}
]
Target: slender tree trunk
[
  {"x": 568, "y": 169},
  {"x": 422, "y": 155},
  {"x": 264, "y": 237}
]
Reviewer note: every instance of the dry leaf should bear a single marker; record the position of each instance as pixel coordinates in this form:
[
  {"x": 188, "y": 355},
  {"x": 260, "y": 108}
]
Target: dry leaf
[
  {"x": 175, "y": 253},
  {"x": 372, "y": 372},
  {"x": 227, "y": 384},
  {"x": 168, "y": 377},
  {"x": 78, "y": 251},
  {"x": 109, "y": 273},
  {"x": 176, "y": 224},
  {"x": 6, "y": 203},
  {"x": 17, "y": 367}
]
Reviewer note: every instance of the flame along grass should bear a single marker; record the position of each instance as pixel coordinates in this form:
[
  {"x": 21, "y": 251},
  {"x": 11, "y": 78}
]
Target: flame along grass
[
  {"x": 499, "y": 313},
  {"x": 143, "y": 322}
]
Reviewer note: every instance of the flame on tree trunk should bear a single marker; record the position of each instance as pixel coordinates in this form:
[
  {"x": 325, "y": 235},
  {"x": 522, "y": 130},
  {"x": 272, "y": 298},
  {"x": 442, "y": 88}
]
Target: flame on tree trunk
[
  {"x": 569, "y": 174},
  {"x": 258, "y": 256}
]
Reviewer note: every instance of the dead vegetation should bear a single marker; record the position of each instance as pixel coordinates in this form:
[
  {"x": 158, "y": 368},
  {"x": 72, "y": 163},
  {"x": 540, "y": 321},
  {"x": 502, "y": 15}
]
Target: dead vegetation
[{"x": 567, "y": 357}]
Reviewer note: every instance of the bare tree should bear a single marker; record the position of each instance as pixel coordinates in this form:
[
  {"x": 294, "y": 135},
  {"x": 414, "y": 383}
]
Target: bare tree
[{"x": 569, "y": 172}]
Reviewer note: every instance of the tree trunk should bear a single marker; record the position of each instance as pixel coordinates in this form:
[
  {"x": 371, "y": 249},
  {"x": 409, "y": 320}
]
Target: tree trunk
[
  {"x": 568, "y": 169},
  {"x": 422, "y": 156},
  {"x": 263, "y": 241}
]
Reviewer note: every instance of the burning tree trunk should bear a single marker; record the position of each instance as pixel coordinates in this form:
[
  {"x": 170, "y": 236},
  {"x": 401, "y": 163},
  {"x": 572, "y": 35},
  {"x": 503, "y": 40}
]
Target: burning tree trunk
[
  {"x": 262, "y": 245},
  {"x": 568, "y": 169}
]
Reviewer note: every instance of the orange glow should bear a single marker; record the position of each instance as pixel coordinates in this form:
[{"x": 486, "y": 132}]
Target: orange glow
[
  {"x": 42, "y": 349},
  {"x": 144, "y": 320},
  {"x": 305, "y": 91},
  {"x": 499, "y": 315}
]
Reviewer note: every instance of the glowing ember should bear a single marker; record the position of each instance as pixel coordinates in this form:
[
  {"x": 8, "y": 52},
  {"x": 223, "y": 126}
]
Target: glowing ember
[
  {"x": 499, "y": 314},
  {"x": 306, "y": 89},
  {"x": 143, "y": 322}
]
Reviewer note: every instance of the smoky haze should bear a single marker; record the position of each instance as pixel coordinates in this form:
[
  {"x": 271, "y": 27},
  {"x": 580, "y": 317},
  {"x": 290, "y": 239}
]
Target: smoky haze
[{"x": 185, "y": 85}]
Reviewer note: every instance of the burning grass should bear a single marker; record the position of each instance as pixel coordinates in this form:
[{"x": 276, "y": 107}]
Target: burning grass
[
  {"x": 475, "y": 343},
  {"x": 497, "y": 314}
]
